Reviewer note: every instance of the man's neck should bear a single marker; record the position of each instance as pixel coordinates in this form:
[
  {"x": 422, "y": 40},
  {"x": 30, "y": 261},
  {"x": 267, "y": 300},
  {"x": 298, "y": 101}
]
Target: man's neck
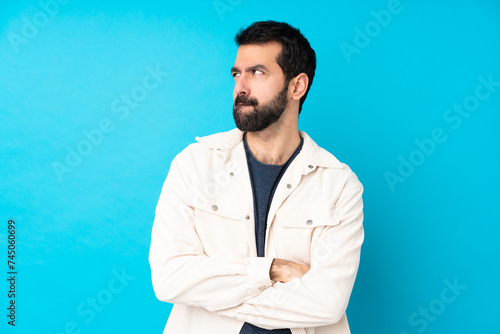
[{"x": 275, "y": 144}]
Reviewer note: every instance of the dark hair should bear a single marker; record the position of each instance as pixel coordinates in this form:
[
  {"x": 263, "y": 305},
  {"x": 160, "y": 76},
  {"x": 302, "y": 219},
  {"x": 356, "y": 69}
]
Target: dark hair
[{"x": 296, "y": 55}]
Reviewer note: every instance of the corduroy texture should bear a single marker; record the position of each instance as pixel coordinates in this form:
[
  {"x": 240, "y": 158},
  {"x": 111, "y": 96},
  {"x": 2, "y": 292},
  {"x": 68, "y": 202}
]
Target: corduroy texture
[{"x": 203, "y": 253}]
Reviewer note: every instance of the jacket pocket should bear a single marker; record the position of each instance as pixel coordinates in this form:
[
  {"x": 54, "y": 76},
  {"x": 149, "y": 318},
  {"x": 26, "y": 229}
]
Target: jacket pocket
[
  {"x": 219, "y": 230},
  {"x": 296, "y": 229},
  {"x": 309, "y": 218}
]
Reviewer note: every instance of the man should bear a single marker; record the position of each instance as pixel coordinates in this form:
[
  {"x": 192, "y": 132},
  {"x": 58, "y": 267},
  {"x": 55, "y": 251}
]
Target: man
[{"x": 258, "y": 229}]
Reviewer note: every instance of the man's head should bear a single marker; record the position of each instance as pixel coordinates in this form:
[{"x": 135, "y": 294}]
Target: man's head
[{"x": 275, "y": 62}]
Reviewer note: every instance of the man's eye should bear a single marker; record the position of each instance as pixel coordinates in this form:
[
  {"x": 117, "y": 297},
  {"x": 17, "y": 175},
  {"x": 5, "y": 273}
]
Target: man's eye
[
  {"x": 235, "y": 74},
  {"x": 258, "y": 72}
]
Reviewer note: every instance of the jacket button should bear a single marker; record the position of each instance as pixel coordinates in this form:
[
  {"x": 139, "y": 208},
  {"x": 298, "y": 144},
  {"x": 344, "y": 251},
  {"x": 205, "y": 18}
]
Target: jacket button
[
  {"x": 231, "y": 174},
  {"x": 310, "y": 166},
  {"x": 247, "y": 217},
  {"x": 215, "y": 207},
  {"x": 309, "y": 222},
  {"x": 289, "y": 186}
]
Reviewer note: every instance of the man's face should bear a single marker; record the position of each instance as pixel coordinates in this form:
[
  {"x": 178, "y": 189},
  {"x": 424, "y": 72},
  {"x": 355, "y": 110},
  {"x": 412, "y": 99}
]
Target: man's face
[{"x": 260, "y": 91}]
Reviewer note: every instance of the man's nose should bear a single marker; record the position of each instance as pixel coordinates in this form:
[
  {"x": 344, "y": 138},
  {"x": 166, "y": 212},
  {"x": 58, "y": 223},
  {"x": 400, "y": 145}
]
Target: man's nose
[{"x": 242, "y": 86}]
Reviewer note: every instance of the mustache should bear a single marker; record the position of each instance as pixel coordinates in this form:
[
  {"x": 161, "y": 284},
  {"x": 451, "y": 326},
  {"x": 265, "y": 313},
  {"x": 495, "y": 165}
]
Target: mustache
[{"x": 244, "y": 99}]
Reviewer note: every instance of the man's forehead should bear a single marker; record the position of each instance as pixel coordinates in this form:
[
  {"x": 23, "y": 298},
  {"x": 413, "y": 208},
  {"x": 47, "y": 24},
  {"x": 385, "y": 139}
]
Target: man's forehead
[{"x": 252, "y": 54}]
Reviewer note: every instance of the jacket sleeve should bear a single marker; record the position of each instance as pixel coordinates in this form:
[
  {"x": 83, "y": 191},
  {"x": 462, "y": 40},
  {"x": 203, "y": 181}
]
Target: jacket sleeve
[
  {"x": 320, "y": 297},
  {"x": 181, "y": 272}
]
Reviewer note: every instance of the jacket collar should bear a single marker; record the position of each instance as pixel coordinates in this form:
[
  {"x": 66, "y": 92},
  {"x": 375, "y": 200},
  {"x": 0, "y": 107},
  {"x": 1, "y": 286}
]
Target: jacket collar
[{"x": 312, "y": 154}]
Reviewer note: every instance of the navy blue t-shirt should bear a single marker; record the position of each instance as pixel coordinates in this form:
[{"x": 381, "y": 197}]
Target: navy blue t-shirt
[{"x": 264, "y": 179}]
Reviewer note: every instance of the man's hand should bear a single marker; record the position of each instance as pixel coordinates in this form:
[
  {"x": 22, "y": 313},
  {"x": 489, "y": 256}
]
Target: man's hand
[{"x": 285, "y": 271}]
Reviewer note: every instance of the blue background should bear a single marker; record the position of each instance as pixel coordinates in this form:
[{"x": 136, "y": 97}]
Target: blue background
[{"x": 78, "y": 230}]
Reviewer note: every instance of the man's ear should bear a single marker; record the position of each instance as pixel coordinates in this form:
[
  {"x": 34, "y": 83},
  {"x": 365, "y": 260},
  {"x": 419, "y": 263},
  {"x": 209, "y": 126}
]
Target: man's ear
[{"x": 299, "y": 84}]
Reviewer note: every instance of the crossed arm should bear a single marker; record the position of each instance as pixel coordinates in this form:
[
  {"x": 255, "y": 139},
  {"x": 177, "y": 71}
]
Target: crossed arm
[
  {"x": 284, "y": 271},
  {"x": 267, "y": 292}
]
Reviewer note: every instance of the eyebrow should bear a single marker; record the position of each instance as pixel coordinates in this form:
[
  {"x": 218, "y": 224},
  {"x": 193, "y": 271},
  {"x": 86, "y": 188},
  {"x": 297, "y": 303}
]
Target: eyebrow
[{"x": 258, "y": 67}]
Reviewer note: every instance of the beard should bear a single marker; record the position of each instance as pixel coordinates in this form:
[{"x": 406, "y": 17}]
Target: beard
[{"x": 261, "y": 116}]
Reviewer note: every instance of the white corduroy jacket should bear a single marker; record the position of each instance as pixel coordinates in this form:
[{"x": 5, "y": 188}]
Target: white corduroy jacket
[{"x": 203, "y": 252}]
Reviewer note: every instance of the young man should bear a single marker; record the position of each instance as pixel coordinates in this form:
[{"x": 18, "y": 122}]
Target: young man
[{"x": 258, "y": 229}]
